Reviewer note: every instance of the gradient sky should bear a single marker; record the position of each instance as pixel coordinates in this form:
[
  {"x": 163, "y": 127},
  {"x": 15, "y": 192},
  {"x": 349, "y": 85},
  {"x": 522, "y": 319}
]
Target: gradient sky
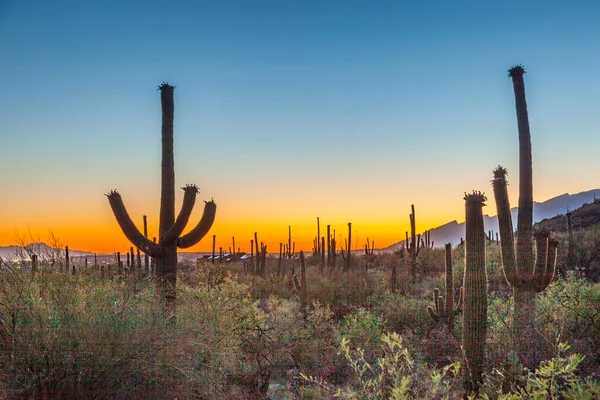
[{"x": 285, "y": 111}]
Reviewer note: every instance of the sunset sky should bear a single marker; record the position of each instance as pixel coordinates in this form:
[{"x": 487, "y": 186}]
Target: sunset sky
[{"x": 286, "y": 111}]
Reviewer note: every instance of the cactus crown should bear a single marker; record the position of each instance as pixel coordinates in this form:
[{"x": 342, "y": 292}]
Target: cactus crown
[
  {"x": 476, "y": 197},
  {"x": 164, "y": 86},
  {"x": 516, "y": 70},
  {"x": 500, "y": 172},
  {"x": 112, "y": 193},
  {"x": 191, "y": 187}
]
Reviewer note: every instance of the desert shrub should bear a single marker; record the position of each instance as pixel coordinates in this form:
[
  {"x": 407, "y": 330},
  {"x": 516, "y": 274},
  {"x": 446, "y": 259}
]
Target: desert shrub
[
  {"x": 431, "y": 262},
  {"x": 363, "y": 328},
  {"x": 312, "y": 345},
  {"x": 208, "y": 349},
  {"x": 555, "y": 378},
  {"x": 500, "y": 338},
  {"x": 77, "y": 337},
  {"x": 586, "y": 253},
  {"x": 403, "y": 314},
  {"x": 569, "y": 310},
  {"x": 394, "y": 374}
]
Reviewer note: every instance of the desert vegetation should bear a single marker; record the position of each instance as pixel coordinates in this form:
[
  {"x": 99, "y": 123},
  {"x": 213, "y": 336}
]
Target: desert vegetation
[{"x": 519, "y": 319}]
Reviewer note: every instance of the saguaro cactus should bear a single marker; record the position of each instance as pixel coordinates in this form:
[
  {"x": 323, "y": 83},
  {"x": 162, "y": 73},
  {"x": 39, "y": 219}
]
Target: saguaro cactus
[
  {"x": 526, "y": 274},
  {"x": 474, "y": 292},
  {"x": 414, "y": 247},
  {"x": 446, "y": 309},
  {"x": 170, "y": 229}
]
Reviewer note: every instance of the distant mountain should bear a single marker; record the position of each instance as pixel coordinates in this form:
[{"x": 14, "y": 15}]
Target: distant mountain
[
  {"x": 453, "y": 231},
  {"x": 15, "y": 252}
]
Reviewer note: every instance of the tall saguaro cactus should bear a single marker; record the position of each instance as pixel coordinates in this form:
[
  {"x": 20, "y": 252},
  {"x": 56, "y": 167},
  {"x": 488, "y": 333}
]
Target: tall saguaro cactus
[
  {"x": 474, "y": 292},
  {"x": 170, "y": 229},
  {"x": 526, "y": 274}
]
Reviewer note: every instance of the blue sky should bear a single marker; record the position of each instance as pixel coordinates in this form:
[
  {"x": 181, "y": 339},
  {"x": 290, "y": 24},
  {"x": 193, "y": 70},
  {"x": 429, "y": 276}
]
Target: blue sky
[{"x": 291, "y": 109}]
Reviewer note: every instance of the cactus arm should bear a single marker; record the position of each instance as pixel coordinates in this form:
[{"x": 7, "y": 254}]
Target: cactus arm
[
  {"x": 539, "y": 269},
  {"x": 505, "y": 225},
  {"x": 459, "y": 302},
  {"x": 550, "y": 264},
  {"x": 546, "y": 261},
  {"x": 196, "y": 234},
  {"x": 128, "y": 227},
  {"x": 436, "y": 301},
  {"x": 189, "y": 199},
  {"x": 432, "y": 314}
]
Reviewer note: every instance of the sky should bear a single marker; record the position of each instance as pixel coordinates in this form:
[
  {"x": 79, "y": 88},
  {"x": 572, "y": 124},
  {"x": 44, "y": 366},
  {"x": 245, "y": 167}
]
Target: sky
[{"x": 286, "y": 111}]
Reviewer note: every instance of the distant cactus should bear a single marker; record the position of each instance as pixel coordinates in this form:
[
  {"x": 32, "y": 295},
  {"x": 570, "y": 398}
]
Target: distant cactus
[
  {"x": 474, "y": 293},
  {"x": 414, "y": 247},
  {"x": 525, "y": 274},
  {"x": 303, "y": 285},
  {"x": 369, "y": 250},
  {"x": 290, "y": 248},
  {"x": 170, "y": 230}
]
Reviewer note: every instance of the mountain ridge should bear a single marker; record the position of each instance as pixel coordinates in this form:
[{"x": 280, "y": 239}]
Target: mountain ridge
[{"x": 453, "y": 231}]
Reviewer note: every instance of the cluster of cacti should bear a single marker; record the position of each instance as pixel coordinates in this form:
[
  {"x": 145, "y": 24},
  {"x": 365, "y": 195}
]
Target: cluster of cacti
[
  {"x": 331, "y": 248},
  {"x": 474, "y": 293},
  {"x": 290, "y": 247},
  {"x": 301, "y": 286},
  {"x": 526, "y": 273},
  {"x": 369, "y": 250},
  {"x": 446, "y": 309},
  {"x": 261, "y": 256},
  {"x": 170, "y": 229},
  {"x": 426, "y": 241},
  {"x": 490, "y": 236},
  {"x": 346, "y": 253}
]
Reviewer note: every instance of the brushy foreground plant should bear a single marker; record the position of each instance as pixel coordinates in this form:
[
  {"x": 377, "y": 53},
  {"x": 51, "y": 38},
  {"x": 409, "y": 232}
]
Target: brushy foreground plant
[
  {"x": 553, "y": 379},
  {"x": 393, "y": 375},
  {"x": 84, "y": 337}
]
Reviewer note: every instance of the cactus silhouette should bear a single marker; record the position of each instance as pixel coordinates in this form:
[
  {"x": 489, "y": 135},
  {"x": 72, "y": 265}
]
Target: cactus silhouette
[
  {"x": 170, "y": 229},
  {"x": 525, "y": 274},
  {"x": 474, "y": 293}
]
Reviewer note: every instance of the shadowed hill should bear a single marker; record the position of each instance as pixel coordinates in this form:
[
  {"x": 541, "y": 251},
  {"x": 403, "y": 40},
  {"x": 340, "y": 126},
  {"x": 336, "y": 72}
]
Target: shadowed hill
[{"x": 583, "y": 217}]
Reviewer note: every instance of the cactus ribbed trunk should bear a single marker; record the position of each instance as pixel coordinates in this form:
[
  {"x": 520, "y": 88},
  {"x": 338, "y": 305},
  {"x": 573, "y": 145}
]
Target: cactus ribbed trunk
[
  {"x": 166, "y": 269},
  {"x": 146, "y": 257},
  {"x": 449, "y": 288},
  {"x": 525, "y": 217},
  {"x": 475, "y": 293},
  {"x": 303, "y": 283}
]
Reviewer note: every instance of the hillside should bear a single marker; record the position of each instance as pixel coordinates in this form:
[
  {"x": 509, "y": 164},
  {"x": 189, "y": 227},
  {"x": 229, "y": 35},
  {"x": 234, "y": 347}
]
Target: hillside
[
  {"x": 583, "y": 217},
  {"x": 551, "y": 209}
]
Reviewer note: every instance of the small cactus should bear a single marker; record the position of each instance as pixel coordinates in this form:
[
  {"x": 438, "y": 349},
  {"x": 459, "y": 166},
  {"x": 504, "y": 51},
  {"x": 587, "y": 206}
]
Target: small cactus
[{"x": 446, "y": 309}]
